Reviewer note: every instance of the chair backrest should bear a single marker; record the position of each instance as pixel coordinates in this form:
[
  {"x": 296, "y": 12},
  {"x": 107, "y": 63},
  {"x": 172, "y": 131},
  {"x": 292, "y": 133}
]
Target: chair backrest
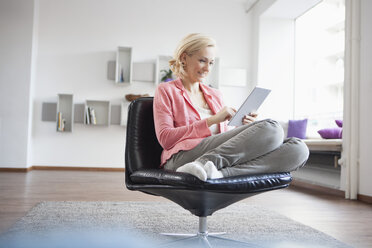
[{"x": 142, "y": 150}]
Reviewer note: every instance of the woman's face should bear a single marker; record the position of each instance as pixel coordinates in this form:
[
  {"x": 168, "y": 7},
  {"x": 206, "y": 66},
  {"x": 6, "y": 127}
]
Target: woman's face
[{"x": 199, "y": 64}]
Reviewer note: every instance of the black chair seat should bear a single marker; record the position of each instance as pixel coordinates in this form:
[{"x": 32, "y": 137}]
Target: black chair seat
[{"x": 238, "y": 184}]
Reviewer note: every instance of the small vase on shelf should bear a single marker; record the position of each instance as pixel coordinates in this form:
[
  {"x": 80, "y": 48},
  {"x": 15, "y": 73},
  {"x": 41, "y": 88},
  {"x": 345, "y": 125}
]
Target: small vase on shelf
[{"x": 122, "y": 75}]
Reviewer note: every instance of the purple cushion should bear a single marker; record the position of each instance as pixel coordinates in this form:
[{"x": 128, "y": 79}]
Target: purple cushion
[
  {"x": 339, "y": 123},
  {"x": 297, "y": 128},
  {"x": 331, "y": 133}
]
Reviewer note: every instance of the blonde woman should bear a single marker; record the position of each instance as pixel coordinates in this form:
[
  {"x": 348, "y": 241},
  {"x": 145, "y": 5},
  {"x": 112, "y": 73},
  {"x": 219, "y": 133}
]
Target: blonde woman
[{"x": 190, "y": 123}]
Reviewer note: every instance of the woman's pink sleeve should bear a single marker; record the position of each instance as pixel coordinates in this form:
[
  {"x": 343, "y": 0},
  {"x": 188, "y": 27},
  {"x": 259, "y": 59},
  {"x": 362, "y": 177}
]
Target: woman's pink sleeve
[{"x": 167, "y": 134}]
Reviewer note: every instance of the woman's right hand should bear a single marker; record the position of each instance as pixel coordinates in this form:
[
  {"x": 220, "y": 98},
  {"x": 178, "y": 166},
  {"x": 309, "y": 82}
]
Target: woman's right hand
[{"x": 224, "y": 114}]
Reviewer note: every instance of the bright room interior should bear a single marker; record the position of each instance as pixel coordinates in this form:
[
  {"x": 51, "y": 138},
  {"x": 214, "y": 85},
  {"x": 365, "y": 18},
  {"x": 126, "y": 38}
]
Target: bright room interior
[{"x": 63, "y": 56}]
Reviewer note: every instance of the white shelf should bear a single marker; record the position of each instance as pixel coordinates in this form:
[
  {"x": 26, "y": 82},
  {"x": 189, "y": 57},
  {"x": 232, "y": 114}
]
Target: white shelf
[
  {"x": 214, "y": 76},
  {"x": 236, "y": 77},
  {"x": 124, "y": 113},
  {"x": 65, "y": 113},
  {"x": 162, "y": 63},
  {"x": 123, "y": 71},
  {"x": 143, "y": 72},
  {"x": 102, "y": 111}
]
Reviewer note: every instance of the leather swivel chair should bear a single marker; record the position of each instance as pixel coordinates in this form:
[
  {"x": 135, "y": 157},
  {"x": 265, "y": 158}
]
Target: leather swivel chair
[{"x": 142, "y": 173}]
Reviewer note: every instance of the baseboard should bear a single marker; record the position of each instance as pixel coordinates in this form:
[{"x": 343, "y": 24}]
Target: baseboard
[
  {"x": 64, "y": 168},
  {"x": 326, "y": 190},
  {"x": 15, "y": 169},
  {"x": 365, "y": 198},
  {"x": 314, "y": 187}
]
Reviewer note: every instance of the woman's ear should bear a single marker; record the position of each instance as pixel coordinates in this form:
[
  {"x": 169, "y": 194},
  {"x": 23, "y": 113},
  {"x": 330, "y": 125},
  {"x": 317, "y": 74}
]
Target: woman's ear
[{"x": 183, "y": 58}]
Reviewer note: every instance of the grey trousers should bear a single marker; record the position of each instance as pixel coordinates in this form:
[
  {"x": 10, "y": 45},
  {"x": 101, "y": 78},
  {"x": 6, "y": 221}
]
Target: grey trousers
[{"x": 249, "y": 149}]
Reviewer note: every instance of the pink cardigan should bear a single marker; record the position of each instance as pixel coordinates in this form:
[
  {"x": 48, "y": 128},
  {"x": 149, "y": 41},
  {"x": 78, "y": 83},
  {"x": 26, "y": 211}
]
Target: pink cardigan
[{"x": 177, "y": 123}]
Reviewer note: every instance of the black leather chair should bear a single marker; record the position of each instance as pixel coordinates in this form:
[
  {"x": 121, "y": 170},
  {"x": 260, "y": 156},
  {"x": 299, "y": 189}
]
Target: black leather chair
[{"x": 142, "y": 173}]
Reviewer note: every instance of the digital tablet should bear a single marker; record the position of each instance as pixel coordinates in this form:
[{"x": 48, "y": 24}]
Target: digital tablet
[{"x": 251, "y": 104}]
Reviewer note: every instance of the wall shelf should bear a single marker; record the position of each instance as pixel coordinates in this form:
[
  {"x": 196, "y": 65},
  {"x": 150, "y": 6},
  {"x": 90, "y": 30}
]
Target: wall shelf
[
  {"x": 162, "y": 63},
  {"x": 65, "y": 113},
  {"x": 49, "y": 113},
  {"x": 124, "y": 68},
  {"x": 144, "y": 72},
  {"x": 124, "y": 112},
  {"x": 97, "y": 112},
  {"x": 214, "y": 76}
]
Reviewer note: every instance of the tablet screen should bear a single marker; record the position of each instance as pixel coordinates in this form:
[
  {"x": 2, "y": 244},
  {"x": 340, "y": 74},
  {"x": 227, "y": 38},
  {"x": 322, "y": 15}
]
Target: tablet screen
[{"x": 251, "y": 104}]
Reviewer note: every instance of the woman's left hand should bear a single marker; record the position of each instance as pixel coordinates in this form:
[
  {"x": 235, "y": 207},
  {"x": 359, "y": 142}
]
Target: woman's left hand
[{"x": 249, "y": 118}]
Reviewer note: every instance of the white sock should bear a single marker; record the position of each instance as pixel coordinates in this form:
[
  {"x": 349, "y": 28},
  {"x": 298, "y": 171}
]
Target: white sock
[
  {"x": 212, "y": 172},
  {"x": 194, "y": 168}
]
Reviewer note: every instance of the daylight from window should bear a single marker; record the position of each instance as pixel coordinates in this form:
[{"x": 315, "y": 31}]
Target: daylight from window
[{"x": 319, "y": 65}]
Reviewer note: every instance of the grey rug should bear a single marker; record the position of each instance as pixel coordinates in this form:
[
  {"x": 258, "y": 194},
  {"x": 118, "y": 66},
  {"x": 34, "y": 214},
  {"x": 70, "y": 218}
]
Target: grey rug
[{"x": 139, "y": 223}]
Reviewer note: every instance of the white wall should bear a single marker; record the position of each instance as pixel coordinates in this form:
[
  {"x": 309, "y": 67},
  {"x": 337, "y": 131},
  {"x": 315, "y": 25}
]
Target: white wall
[
  {"x": 16, "y": 42},
  {"x": 365, "y": 169},
  {"x": 77, "y": 38},
  {"x": 254, "y": 19},
  {"x": 276, "y": 66}
]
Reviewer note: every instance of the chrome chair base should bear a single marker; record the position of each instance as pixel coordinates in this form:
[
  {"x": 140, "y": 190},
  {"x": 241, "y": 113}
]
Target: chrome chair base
[{"x": 202, "y": 238}]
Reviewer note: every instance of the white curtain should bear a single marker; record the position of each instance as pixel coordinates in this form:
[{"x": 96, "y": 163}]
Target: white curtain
[{"x": 350, "y": 153}]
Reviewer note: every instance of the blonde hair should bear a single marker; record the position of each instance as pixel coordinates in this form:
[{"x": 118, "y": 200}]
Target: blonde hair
[{"x": 190, "y": 44}]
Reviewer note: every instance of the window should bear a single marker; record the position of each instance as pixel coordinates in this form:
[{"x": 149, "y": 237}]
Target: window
[{"x": 319, "y": 65}]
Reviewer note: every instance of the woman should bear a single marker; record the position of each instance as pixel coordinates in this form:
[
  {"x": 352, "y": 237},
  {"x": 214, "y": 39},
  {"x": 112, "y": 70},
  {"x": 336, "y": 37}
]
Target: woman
[{"x": 190, "y": 123}]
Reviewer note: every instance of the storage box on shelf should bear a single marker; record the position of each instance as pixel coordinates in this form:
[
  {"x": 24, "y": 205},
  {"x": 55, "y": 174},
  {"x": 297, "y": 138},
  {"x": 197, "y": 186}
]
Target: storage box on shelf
[
  {"x": 123, "y": 72},
  {"x": 65, "y": 113},
  {"x": 97, "y": 112},
  {"x": 104, "y": 113},
  {"x": 213, "y": 78},
  {"x": 124, "y": 113},
  {"x": 162, "y": 63},
  {"x": 144, "y": 72}
]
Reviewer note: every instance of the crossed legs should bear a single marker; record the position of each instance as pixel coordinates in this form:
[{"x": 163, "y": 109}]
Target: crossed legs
[{"x": 249, "y": 149}]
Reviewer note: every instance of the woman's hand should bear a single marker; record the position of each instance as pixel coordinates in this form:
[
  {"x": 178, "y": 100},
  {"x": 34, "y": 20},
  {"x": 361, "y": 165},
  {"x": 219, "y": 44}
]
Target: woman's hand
[
  {"x": 249, "y": 118},
  {"x": 224, "y": 114}
]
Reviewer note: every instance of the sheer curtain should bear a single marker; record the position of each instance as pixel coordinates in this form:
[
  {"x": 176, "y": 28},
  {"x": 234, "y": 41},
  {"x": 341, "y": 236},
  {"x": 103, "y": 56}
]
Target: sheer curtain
[{"x": 350, "y": 153}]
